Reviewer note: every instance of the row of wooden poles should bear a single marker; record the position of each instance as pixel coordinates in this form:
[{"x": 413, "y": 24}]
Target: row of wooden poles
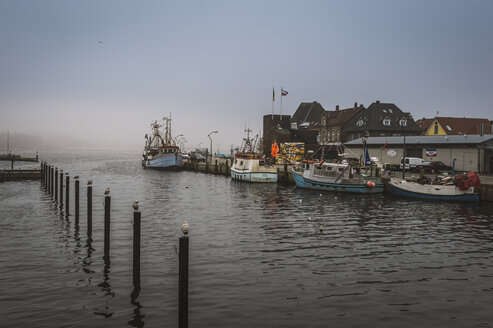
[{"x": 52, "y": 181}]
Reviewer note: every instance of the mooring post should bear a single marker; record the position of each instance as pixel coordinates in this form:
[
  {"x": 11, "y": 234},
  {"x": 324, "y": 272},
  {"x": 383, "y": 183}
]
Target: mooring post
[
  {"x": 89, "y": 208},
  {"x": 61, "y": 188},
  {"x": 107, "y": 204},
  {"x": 286, "y": 176},
  {"x": 136, "y": 250},
  {"x": 67, "y": 192},
  {"x": 215, "y": 167},
  {"x": 50, "y": 179},
  {"x": 183, "y": 278},
  {"x": 76, "y": 178},
  {"x": 45, "y": 174},
  {"x": 56, "y": 184}
]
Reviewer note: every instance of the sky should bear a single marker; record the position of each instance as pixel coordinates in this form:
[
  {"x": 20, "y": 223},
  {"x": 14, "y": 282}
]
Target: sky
[{"x": 102, "y": 71}]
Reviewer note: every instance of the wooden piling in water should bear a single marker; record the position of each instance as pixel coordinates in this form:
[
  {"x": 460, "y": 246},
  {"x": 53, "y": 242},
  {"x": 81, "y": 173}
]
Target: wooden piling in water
[
  {"x": 76, "y": 201},
  {"x": 56, "y": 184},
  {"x": 51, "y": 180},
  {"x": 107, "y": 205},
  {"x": 136, "y": 246},
  {"x": 61, "y": 188},
  {"x": 183, "y": 282},
  {"x": 89, "y": 208},
  {"x": 67, "y": 192}
]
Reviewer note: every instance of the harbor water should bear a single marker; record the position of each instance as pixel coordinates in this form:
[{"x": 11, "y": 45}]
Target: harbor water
[{"x": 261, "y": 255}]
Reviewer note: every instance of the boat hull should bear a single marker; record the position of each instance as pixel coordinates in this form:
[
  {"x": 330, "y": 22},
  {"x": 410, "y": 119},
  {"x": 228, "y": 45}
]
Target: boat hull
[
  {"x": 439, "y": 193},
  {"x": 263, "y": 177},
  {"x": 305, "y": 183},
  {"x": 165, "y": 162}
]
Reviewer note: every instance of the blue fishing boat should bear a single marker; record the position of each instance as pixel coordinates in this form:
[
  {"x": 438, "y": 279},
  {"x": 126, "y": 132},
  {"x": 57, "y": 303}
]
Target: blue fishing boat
[
  {"x": 161, "y": 151},
  {"x": 333, "y": 177}
]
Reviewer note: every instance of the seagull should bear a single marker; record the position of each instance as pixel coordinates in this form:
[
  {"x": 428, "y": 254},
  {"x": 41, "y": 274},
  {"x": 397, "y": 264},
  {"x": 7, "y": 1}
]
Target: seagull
[
  {"x": 335, "y": 197},
  {"x": 185, "y": 228},
  {"x": 309, "y": 218},
  {"x": 89, "y": 182},
  {"x": 135, "y": 205},
  {"x": 76, "y": 177},
  {"x": 107, "y": 191},
  {"x": 100, "y": 41},
  {"x": 301, "y": 200},
  {"x": 321, "y": 228}
]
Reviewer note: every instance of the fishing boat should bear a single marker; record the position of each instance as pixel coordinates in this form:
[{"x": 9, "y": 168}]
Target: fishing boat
[
  {"x": 340, "y": 176},
  {"x": 326, "y": 176},
  {"x": 249, "y": 165},
  {"x": 461, "y": 188},
  {"x": 161, "y": 151}
]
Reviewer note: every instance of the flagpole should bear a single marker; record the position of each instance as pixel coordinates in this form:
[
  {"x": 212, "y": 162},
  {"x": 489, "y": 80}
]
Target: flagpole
[{"x": 281, "y": 103}]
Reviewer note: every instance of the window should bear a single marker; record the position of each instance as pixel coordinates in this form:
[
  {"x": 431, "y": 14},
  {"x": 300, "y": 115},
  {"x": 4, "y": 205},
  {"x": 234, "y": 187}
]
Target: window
[
  {"x": 390, "y": 110},
  {"x": 360, "y": 122},
  {"x": 435, "y": 128},
  {"x": 448, "y": 127},
  {"x": 386, "y": 121},
  {"x": 338, "y": 134},
  {"x": 403, "y": 122}
]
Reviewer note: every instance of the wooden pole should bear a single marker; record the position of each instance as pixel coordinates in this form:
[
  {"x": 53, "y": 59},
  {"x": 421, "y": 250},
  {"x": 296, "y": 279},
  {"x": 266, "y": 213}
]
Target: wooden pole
[
  {"x": 76, "y": 200},
  {"x": 67, "y": 192},
  {"x": 136, "y": 247},
  {"x": 61, "y": 188},
  {"x": 183, "y": 283},
  {"x": 89, "y": 208},
  {"x": 107, "y": 205},
  {"x": 56, "y": 184}
]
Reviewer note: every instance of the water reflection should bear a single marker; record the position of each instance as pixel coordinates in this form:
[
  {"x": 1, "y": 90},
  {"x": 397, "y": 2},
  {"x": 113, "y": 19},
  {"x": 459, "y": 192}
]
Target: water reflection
[
  {"x": 137, "y": 318},
  {"x": 106, "y": 288}
]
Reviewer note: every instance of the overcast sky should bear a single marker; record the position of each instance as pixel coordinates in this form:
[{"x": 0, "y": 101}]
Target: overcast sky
[{"x": 103, "y": 70}]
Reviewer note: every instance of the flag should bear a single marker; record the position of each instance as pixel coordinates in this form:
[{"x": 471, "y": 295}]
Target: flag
[
  {"x": 384, "y": 146},
  {"x": 283, "y": 92},
  {"x": 273, "y": 95},
  {"x": 431, "y": 152}
]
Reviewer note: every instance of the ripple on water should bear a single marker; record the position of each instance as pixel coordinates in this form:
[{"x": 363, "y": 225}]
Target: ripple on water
[{"x": 257, "y": 255}]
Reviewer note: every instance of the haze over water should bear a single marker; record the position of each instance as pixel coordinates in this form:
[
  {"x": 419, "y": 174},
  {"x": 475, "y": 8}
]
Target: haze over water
[{"x": 257, "y": 257}]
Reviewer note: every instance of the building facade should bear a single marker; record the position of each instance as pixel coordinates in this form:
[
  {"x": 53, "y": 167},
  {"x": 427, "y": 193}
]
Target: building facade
[{"x": 472, "y": 153}]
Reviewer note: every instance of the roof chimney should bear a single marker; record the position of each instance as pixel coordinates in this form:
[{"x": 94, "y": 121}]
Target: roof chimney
[
  {"x": 378, "y": 101},
  {"x": 337, "y": 107},
  {"x": 355, "y": 105}
]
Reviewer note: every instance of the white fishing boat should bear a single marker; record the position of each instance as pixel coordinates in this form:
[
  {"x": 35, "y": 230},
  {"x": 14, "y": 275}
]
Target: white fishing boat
[
  {"x": 249, "y": 165},
  {"x": 161, "y": 152},
  {"x": 459, "y": 188}
]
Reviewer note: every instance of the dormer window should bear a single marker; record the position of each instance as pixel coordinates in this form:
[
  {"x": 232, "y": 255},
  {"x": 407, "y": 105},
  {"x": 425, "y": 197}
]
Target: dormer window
[
  {"x": 403, "y": 122},
  {"x": 360, "y": 122},
  {"x": 386, "y": 121}
]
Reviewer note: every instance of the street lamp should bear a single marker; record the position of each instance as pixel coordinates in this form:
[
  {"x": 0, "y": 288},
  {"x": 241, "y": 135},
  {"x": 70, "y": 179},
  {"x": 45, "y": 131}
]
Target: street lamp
[
  {"x": 209, "y": 135},
  {"x": 176, "y": 138}
]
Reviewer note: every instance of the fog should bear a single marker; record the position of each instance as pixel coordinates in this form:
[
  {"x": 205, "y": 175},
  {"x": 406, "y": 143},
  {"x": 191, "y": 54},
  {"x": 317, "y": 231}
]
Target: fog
[{"x": 79, "y": 73}]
